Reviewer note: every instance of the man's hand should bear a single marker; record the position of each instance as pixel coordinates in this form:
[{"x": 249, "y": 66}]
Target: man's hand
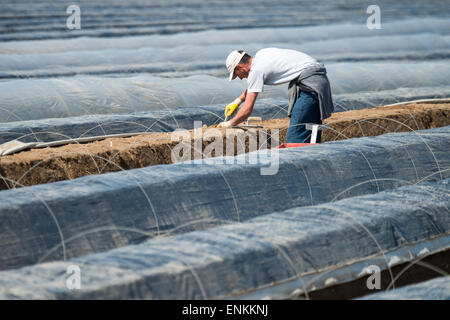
[
  {"x": 224, "y": 124},
  {"x": 246, "y": 109},
  {"x": 231, "y": 108}
]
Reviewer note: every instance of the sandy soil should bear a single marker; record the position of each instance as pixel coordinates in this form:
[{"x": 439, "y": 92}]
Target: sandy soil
[
  {"x": 76, "y": 160},
  {"x": 381, "y": 120}
]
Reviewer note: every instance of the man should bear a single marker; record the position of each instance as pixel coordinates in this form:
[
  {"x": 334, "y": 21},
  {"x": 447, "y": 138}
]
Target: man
[{"x": 309, "y": 90}]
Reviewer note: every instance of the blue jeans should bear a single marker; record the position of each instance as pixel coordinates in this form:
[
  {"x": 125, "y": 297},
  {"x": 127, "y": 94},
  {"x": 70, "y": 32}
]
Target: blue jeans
[{"x": 305, "y": 110}]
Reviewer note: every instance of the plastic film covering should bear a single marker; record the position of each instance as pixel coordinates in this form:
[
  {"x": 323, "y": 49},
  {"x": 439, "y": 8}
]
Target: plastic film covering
[
  {"x": 153, "y": 121},
  {"x": 25, "y": 99},
  {"x": 25, "y": 20},
  {"x": 96, "y": 213},
  {"x": 267, "y": 36},
  {"x": 436, "y": 289},
  {"x": 46, "y": 130},
  {"x": 205, "y": 51},
  {"x": 210, "y": 59},
  {"x": 86, "y": 76},
  {"x": 66, "y": 97},
  {"x": 261, "y": 252}
]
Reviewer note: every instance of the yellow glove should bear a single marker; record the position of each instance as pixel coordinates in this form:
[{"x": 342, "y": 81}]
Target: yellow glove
[{"x": 231, "y": 108}]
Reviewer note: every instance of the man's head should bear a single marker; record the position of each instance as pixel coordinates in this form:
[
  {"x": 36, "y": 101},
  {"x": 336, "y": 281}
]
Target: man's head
[{"x": 238, "y": 64}]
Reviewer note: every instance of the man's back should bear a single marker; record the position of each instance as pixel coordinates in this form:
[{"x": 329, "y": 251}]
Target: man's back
[{"x": 280, "y": 65}]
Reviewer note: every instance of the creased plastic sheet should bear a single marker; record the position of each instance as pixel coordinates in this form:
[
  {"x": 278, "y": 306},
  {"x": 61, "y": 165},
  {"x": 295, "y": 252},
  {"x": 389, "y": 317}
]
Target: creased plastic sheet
[
  {"x": 309, "y": 35},
  {"x": 45, "y": 130},
  {"x": 31, "y": 99},
  {"x": 208, "y": 59},
  {"x": 402, "y": 257},
  {"x": 171, "y": 55},
  {"x": 96, "y": 213},
  {"x": 435, "y": 289},
  {"x": 232, "y": 259},
  {"x": 44, "y": 19}
]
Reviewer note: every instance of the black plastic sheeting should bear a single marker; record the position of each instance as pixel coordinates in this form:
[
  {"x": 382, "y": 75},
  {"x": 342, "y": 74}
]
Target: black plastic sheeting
[
  {"x": 53, "y": 129},
  {"x": 436, "y": 289},
  {"x": 346, "y": 37},
  {"x": 45, "y": 19},
  {"x": 155, "y": 121},
  {"x": 100, "y": 212},
  {"x": 191, "y": 58},
  {"x": 229, "y": 260}
]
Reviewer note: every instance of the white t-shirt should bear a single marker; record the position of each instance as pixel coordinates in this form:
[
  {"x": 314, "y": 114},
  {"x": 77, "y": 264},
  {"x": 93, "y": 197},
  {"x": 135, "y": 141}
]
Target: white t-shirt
[{"x": 276, "y": 66}]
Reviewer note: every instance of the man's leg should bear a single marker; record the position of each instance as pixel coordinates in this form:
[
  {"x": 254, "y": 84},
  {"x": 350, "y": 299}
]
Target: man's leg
[{"x": 305, "y": 110}]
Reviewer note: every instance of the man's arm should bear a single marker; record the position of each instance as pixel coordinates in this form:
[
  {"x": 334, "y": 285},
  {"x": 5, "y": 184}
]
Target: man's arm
[
  {"x": 243, "y": 95},
  {"x": 246, "y": 110}
]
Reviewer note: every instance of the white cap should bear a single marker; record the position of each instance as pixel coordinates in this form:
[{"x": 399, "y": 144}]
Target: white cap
[{"x": 233, "y": 60}]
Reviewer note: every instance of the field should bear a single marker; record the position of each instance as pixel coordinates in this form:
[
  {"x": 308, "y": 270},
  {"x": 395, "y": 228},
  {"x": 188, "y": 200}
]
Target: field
[{"x": 124, "y": 187}]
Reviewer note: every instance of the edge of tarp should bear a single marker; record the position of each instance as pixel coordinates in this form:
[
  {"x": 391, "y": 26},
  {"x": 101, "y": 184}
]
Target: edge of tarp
[
  {"x": 435, "y": 100},
  {"x": 169, "y": 260},
  {"x": 53, "y": 129},
  {"x": 334, "y": 276},
  {"x": 435, "y": 289},
  {"x": 122, "y": 196},
  {"x": 17, "y": 146}
]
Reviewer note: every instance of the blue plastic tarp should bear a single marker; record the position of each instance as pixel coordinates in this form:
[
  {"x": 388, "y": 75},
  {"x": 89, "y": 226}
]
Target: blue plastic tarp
[
  {"x": 241, "y": 257},
  {"x": 51, "y": 129},
  {"x": 100, "y": 212}
]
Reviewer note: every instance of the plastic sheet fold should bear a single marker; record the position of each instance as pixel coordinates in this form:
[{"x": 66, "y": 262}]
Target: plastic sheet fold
[
  {"x": 258, "y": 253},
  {"x": 96, "y": 213}
]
